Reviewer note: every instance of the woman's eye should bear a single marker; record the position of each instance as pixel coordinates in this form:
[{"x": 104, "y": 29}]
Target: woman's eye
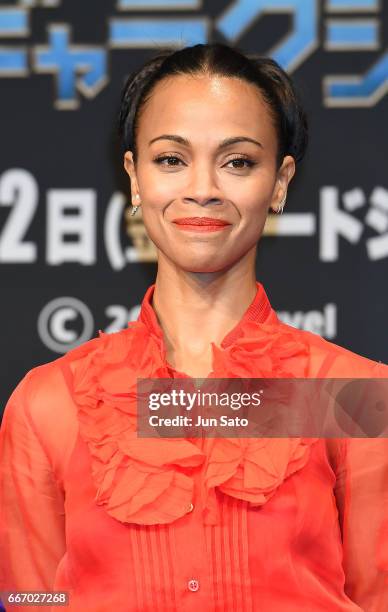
[
  {"x": 245, "y": 160},
  {"x": 160, "y": 160},
  {"x": 173, "y": 161}
]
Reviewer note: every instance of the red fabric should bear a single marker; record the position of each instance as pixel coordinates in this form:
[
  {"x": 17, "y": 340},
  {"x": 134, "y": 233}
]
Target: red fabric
[{"x": 135, "y": 524}]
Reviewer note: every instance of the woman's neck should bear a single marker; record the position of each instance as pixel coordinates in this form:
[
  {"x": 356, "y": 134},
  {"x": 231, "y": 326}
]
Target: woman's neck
[{"x": 194, "y": 310}]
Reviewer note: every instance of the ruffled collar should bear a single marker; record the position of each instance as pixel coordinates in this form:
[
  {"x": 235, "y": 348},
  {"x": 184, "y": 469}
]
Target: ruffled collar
[
  {"x": 258, "y": 311},
  {"x": 150, "y": 480}
]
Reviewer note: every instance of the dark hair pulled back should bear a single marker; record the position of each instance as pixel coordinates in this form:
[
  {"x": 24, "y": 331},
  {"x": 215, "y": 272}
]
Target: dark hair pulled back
[{"x": 276, "y": 87}]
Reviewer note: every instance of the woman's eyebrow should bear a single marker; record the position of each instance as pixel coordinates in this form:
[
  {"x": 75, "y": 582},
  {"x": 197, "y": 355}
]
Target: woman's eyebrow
[{"x": 224, "y": 143}]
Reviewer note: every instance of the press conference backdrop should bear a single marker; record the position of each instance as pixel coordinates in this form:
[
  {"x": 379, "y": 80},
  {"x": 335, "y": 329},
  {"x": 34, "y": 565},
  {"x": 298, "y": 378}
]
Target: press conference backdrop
[{"x": 71, "y": 263}]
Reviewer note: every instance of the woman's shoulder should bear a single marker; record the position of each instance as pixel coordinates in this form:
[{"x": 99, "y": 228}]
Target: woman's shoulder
[
  {"x": 52, "y": 375},
  {"x": 45, "y": 381},
  {"x": 50, "y": 379},
  {"x": 46, "y": 389},
  {"x": 42, "y": 399},
  {"x": 339, "y": 361}
]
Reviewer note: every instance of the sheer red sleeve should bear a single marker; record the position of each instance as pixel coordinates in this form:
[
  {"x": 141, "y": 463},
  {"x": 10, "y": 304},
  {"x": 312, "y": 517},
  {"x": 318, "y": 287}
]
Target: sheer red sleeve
[
  {"x": 361, "y": 491},
  {"x": 32, "y": 519}
]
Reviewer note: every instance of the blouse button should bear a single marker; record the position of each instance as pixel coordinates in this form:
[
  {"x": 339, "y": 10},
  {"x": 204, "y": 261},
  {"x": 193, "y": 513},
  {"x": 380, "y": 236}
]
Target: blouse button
[
  {"x": 190, "y": 508},
  {"x": 193, "y": 585}
]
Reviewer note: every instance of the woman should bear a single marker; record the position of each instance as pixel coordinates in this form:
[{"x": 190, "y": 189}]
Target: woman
[{"x": 126, "y": 523}]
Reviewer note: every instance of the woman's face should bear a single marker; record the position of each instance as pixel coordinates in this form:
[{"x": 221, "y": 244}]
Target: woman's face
[{"x": 194, "y": 173}]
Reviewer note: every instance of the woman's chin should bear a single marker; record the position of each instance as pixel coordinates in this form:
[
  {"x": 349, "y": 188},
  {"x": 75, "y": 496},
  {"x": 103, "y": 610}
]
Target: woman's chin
[{"x": 202, "y": 267}]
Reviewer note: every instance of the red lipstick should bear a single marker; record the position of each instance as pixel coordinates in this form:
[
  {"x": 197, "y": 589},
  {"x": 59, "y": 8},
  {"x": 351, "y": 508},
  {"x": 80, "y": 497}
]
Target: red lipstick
[{"x": 201, "y": 224}]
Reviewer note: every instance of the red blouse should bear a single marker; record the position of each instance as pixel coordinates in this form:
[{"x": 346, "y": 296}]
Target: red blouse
[{"x": 129, "y": 524}]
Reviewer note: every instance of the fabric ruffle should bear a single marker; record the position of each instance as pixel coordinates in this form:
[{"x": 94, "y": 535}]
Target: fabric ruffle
[{"x": 149, "y": 480}]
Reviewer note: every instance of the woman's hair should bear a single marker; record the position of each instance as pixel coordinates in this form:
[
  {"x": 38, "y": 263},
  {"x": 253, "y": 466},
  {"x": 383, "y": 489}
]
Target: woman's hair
[{"x": 276, "y": 87}]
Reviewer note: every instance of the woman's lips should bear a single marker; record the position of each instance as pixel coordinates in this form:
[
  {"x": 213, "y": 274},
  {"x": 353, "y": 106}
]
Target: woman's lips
[{"x": 201, "y": 224}]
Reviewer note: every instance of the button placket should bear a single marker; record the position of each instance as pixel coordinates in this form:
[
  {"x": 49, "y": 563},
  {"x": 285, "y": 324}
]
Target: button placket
[{"x": 193, "y": 569}]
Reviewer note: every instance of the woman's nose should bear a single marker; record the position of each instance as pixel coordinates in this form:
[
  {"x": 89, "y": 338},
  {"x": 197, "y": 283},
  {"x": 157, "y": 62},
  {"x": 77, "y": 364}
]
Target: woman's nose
[{"x": 202, "y": 186}]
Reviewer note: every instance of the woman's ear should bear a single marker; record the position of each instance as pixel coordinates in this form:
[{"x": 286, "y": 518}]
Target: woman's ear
[
  {"x": 130, "y": 170},
  {"x": 284, "y": 177}
]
